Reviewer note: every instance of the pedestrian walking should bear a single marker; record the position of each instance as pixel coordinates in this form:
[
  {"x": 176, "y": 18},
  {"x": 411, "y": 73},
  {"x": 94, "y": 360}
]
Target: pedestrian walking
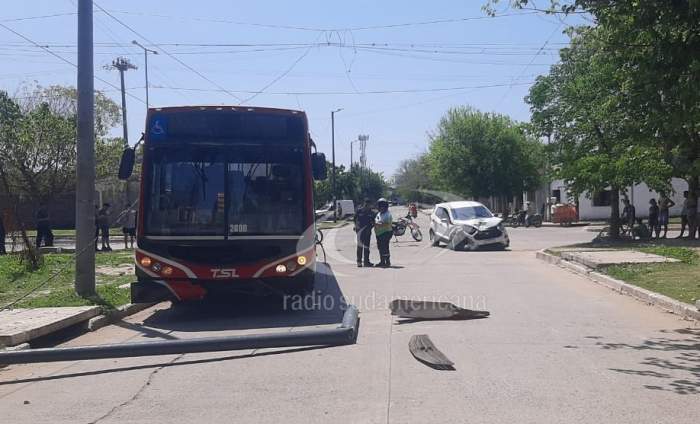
[
  {"x": 43, "y": 227},
  {"x": 2, "y": 235},
  {"x": 364, "y": 221},
  {"x": 383, "y": 230},
  {"x": 654, "y": 226},
  {"x": 665, "y": 204},
  {"x": 129, "y": 228},
  {"x": 684, "y": 214},
  {"x": 103, "y": 221}
]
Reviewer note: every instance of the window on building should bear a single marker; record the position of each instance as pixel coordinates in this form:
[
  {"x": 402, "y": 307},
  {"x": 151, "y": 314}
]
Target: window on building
[
  {"x": 602, "y": 198},
  {"x": 557, "y": 195}
]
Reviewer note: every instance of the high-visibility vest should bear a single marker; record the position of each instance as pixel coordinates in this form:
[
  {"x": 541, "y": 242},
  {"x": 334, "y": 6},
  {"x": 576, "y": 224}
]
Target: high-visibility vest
[{"x": 382, "y": 223}]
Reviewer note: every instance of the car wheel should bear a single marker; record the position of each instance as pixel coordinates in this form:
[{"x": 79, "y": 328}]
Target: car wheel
[
  {"x": 434, "y": 241},
  {"x": 454, "y": 244}
]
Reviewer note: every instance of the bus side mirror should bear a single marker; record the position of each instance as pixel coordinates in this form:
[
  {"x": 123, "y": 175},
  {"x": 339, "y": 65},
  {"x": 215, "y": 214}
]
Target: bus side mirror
[
  {"x": 318, "y": 166},
  {"x": 126, "y": 165}
]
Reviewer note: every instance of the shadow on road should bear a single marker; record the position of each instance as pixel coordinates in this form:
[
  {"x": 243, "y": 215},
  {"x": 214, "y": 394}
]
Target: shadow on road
[
  {"x": 325, "y": 305},
  {"x": 164, "y": 364},
  {"x": 686, "y": 361}
]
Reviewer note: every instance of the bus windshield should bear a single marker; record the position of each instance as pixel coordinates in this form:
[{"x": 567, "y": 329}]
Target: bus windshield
[{"x": 239, "y": 189}]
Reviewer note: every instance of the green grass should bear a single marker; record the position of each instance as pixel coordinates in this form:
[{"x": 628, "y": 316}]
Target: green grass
[
  {"x": 324, "y": 225},
  {"x": 680, "y": 281},
  {"x": 70, "y": 233},
  {"x": 58, "y": 269}
]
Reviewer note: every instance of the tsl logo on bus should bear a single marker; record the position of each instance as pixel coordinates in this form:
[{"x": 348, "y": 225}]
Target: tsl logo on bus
[{"x": 224, "y": 273}]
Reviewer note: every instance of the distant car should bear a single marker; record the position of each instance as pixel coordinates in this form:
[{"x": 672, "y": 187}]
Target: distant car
[{"x": 466, "y": 225}]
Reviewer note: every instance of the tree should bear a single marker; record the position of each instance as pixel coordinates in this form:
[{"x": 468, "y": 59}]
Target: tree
[
  {"x": 656, "y": 45},
  {"x": 355, "y": 184},
  {"x": 483, "y": 154},
  {"x": 38, "y": 148},
  {"x": 594, "y": 144},
  {"x": 412, "y": 179}
]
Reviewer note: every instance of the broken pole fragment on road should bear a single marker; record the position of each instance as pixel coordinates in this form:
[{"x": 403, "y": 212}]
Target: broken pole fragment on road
[
  {"x": 423, "y": 349},
  {"x": 420, "y": 309}
]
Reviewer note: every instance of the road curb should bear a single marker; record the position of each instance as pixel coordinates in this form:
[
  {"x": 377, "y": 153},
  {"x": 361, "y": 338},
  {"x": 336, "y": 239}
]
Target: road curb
[
  {"x": 660, "y": 301},
  {"x": 113, "y": 316}
]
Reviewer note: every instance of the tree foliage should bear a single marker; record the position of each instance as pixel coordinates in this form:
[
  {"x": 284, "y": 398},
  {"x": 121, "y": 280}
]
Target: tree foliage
[
  {"x": 355, "y": 184},
  {"x": 38, "y": 140},
  {"x": 412, "y": 179},
  {"x": 483, "y": 154},
  {"x": 655, "y": 48}
]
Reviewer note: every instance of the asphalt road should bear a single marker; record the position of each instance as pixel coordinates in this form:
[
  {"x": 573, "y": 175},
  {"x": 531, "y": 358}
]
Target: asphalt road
[{"x": 556, "y": 348}]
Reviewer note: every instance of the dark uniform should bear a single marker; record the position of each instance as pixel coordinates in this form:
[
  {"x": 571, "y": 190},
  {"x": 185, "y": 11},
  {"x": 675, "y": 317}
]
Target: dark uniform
[
  {"x": 364, "y": 221},
  {"x": 43, "y": 228},
  {"x": 2, "y": 235}
]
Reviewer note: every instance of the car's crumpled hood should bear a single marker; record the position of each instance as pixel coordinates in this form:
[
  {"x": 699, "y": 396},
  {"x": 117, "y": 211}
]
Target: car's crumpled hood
[{"x": 480, "y": 224}]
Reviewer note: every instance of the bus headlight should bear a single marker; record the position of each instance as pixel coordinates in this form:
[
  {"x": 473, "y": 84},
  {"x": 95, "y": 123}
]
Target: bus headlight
[
  {"x": 281, "y": 268},
  {"x": 157, "y": 267},
  {"x": 167, "y": 271},
  {"x": 301, "y": 260},
  {"x": 145, "y": 261}
]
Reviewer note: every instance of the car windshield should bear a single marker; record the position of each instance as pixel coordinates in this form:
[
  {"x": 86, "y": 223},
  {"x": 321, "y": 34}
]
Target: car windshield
[
  {"x": 243, "y": 189},
  {"x": 471, "y": 212}
]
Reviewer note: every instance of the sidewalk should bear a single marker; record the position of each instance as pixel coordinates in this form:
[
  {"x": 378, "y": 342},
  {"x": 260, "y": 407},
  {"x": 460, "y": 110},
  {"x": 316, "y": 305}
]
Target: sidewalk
[{"x": 619, "y": 270}]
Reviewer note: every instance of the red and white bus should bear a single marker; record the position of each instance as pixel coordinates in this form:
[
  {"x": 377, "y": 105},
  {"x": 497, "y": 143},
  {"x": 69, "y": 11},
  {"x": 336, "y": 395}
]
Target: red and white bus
[{"x": 226, "y": 202}]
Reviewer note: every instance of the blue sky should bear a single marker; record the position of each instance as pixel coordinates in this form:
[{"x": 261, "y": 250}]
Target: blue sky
[{"x": 392, "y": 68}]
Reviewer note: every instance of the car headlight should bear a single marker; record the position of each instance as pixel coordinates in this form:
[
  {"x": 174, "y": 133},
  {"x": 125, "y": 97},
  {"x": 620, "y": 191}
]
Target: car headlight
[
  {"x": 500, "y": 226},
  {"x": 469, "y": 229}
]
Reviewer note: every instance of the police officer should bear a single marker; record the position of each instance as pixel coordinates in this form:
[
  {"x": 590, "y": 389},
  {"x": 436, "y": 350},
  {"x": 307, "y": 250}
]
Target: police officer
[
  {"x": 383, "y": 230},
  {"x": 364, "y": 221}
]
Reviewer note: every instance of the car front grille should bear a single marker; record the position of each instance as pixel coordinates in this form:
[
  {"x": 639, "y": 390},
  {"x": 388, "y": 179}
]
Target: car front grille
[{"x": 492, "y": 232}]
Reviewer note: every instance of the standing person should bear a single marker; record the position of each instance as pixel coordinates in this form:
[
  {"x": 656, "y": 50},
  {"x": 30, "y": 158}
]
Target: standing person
[
  {"x": 2, "y": 235},
  {"x": 97, "y": 226},
  {"x": 103, "y": 221},
  {"x": 684, "y": 214},
  {"x": 364, "y": 221},
  {"x": 664, "y": 205},
  {"x": 43, "y": 227},
  {"x": 654, "y": 226},
  {"x": 383, "y": 230},
  {"x": 628, "y": 213},
  {"x": 529, "y": 212},
  {"x": 129, "y": 228}
]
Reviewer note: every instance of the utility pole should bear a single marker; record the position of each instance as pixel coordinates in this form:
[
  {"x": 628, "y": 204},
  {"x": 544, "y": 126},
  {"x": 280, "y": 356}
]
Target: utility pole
[
  {"x": 351, "y": 161},
  {"x": 333, "y": 193},
  {"x": 122, "y": 64},
  {"x": 85, "y": 162},
  {"x": 145, "y": 65},
  {"x": 362, "y": 139}
]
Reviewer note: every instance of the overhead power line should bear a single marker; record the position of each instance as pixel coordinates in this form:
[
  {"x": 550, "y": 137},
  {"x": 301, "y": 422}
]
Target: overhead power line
[
  {"x": 32, "y": 18},
  {"x": 324, "y": 93},
  {"x": 318, "y": 29},
  {"x": 63, "y": 59},
  {"x": 204, "y": 77}
]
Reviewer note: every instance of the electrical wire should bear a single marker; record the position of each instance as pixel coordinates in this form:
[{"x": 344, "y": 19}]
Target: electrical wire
[
  {"x": 117, "y": 220},
  {"x": 63, "y": 59},
  {"x": 204, "y": 77},
  {"x": 335, "y": 93}
]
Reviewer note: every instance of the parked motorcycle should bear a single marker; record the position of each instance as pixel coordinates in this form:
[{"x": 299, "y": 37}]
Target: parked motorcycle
[{"x": 399, "y": 228}]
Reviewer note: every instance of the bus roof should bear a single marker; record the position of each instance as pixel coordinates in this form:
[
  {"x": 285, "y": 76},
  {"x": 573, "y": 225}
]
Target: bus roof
[{"x": 229, "y": 107}]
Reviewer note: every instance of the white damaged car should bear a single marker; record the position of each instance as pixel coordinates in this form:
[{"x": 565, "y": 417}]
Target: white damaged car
[{"x": 466, "y": 225}]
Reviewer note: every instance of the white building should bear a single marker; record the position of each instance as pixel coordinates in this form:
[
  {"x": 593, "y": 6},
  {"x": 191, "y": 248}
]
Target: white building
[{"x": 597, "y": 206}]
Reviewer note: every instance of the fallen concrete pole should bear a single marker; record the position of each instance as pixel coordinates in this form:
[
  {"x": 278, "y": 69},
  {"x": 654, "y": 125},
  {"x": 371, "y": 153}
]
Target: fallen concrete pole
[{"x": 344, "y": 334}]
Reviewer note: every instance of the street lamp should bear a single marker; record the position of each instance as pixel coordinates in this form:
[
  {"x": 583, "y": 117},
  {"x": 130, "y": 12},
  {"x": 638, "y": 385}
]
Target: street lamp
[
  {"x": 145, "y": 59},
  {"x": 335, "y": 206}
]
